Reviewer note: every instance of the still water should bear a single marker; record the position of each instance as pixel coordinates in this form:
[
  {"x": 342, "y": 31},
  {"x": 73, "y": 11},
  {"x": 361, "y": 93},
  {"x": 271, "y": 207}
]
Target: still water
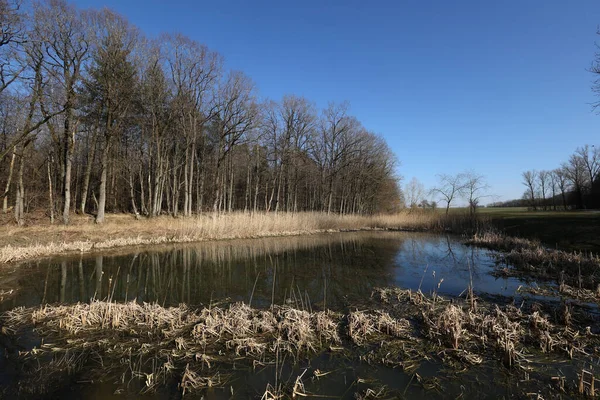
[
  {"x": 325, "y": 270},
  {"x": 334, "y": 271}
]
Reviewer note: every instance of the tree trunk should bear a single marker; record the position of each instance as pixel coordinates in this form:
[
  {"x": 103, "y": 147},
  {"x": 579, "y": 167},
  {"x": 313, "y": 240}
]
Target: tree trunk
[
  {"x": 103, "y": 178},
  {"x": 88, "y": 172},
  {"x": 8, "y": 182},
  {"x": 132, "y": 194},
  {"x": 19, "y": 209},
  {"x": 50, "y": 195},
  {"x": 69, "y": 137}
]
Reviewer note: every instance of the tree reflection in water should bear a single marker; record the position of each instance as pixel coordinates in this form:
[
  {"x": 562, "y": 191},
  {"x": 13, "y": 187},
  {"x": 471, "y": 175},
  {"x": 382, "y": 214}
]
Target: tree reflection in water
[{"x": 316, "y": 271}]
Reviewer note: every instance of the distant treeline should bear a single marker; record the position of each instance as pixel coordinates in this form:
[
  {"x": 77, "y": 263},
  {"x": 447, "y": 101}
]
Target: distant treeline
[
  {"x": 96, "y": 117},
  {"x": 573, "y": 185},
  {"x": 509, "y": 203}
]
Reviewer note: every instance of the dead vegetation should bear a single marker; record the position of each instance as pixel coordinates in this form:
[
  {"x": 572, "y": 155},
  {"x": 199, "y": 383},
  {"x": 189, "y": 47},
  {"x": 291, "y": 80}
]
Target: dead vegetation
[
  {"x": 157, "y": 344},
  {"x": 514, "y": 336},
  {"x": 154, "y": 345},
  {"x": 563, "y": 291},
  {"x": 82, "y": 236},
  {"x": 522, "y": 257}
]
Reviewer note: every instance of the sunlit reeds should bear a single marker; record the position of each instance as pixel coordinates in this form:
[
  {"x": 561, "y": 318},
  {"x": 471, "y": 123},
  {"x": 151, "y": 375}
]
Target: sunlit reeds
[
  {"x": 119, "y": 231},
  {"x": 401, "y": 328}
]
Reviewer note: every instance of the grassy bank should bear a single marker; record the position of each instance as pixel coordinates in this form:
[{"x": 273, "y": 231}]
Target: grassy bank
[{"x": 44, "y": 239}]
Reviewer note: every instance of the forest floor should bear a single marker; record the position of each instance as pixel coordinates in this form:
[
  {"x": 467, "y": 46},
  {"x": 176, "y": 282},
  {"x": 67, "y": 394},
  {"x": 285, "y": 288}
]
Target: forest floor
[{"x": 40, "y": 238}]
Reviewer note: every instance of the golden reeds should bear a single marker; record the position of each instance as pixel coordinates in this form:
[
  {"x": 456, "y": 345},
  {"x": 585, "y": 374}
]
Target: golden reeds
[{"x": 18, "y": 244}]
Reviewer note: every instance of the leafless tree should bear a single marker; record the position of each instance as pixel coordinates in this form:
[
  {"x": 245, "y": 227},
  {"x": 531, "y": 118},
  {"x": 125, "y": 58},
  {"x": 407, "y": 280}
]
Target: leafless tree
[
  {"x": 595, "y": 69},
  {"x": 12, "y": 38},
  {"x": 530, "y": 181},
  {"x": 475, "y": 189},
  {"x": 544, "y": 182},
  {"x": 120, "y": 123},
  {"x": 194, "y": 72},
  {"x": 237, "y": 114},
  {"x": 561, "y": 184},
  {"x": 450, "y": 187},
  {"x": 590, "y": 158},
  {"x": 576, "y": 173},
  {"x": 414, "y": 192},
  {"x": 62, "y": 30}
]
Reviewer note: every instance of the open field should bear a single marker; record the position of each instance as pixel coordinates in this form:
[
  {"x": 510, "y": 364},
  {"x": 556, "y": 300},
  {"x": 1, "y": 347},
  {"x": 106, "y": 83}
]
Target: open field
[
  {"x": 43, "y": 239},
  {"x": 565, "y": 230}
]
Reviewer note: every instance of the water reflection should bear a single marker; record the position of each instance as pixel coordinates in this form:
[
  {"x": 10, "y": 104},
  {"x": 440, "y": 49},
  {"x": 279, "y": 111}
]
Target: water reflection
[{"x": 314, "y": 271}]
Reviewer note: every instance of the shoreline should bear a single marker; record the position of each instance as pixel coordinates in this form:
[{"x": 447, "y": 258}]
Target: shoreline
[{"x": 124, "y": 231}]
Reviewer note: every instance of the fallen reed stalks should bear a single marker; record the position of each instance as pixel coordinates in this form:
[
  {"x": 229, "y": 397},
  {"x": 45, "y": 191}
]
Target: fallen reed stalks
[
  {"x": 530, "y": 258},
  {"x": 156, "y": 345}
]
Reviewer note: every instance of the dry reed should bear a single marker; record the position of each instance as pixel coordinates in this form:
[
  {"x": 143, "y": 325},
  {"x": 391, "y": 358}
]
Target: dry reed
[
  {"x": 157, "y": 345},
  {"x": 18, "y": 244},
  {"x": 525, "y": 257}
]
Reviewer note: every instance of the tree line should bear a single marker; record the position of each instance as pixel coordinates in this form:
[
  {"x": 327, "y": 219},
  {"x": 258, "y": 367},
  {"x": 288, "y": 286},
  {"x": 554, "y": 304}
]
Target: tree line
[
  {"x": 573, "y": 185},
  {"x": 95, "y": 117}
]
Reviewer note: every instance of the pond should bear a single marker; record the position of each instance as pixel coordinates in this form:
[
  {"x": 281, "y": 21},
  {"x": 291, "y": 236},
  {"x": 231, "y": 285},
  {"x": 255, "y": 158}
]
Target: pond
[
  {"x": 326, "y": 271},
  {"x": 335, "y": 271}
]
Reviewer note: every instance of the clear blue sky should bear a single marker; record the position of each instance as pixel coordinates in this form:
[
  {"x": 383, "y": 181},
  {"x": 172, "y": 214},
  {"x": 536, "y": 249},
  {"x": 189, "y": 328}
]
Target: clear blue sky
[{"x": 497, "y": 87}]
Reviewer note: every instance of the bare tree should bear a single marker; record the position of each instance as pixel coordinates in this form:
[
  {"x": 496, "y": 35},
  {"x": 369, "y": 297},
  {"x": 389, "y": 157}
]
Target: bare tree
[
  {"x": 475, "y": 189},
  {"x": 237, "y": 113},
  {"x": 530, "y": 181},
  {"x": 595, "y": 69},
  {"x": 553, "y": 186},
  {"x": 543, "y": 180},
  {"x": 12, "y": 38},
  {"x": 450, "y": 187},
  {"x": 120, "y": 123},
  {"x": 590, "y": 158},
  {"x": 61, "y": 29},
  {"x": 576, "y": 173},
  {"x": 561, "y": 184},
  {"x": 194, "y": 71},
  {"x": 414, "y": 191}
]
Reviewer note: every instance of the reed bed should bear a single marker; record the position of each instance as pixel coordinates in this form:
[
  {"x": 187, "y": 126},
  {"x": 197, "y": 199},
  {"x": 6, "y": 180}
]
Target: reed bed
[
  {"x": 21, "y": 243},
  {"x": 563, "y": 291},
  {"x": 155, "y": 345},
  {"x": 473, "y": 333},
  {"x": 529, "y": 258}
]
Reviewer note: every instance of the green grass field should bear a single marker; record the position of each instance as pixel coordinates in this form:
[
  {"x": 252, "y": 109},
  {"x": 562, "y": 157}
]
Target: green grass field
[{"x": 567, "y": 230}]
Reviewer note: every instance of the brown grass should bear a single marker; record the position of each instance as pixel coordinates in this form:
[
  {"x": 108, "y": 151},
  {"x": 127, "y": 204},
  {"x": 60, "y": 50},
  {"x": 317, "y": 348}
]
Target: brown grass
[
  {"x": 530, "y": 258},
  {"x": 488, "y": 331},
  {"x": 402, "y": 328},
  {"x": 43, "y": 239},
  {"x": 177, "y": 341}
]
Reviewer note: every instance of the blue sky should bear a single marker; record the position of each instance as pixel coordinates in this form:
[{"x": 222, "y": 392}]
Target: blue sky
[{"x": 496, "y": 87}]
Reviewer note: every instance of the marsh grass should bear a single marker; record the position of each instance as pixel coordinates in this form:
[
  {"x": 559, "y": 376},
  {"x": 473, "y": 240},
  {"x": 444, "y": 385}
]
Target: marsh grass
[
  {"x": 21, "y": 243},
  {"x": 490, "y": 332},
  {"x": 155, "y": 345},
  {"x": 563, "y": 291},
  {"x": 523, "y": 257}
]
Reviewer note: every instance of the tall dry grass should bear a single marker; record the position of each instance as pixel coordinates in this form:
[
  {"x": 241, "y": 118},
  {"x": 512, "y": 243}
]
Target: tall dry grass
[{"x": 18, "y": 244}]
